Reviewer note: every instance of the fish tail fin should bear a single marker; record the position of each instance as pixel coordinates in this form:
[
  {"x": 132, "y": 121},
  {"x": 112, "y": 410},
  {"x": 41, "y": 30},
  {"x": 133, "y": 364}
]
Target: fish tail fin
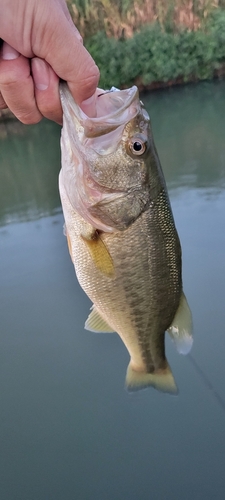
[
  {"x": 181, "y": 329},
  {"x": 162, "y": 380}
]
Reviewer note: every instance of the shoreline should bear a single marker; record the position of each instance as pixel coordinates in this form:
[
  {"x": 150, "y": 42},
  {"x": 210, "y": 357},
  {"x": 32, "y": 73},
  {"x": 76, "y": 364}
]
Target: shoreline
[
  {"x": 7, "y": 116},
  {"x": 219, "y": 74}
]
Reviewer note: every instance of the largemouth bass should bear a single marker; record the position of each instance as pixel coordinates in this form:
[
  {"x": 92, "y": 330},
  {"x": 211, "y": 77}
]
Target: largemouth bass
[{"x": 121, "y": 233}]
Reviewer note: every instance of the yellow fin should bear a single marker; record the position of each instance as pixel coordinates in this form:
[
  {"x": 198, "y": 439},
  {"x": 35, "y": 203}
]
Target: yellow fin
[
  {"x": 100, "y": 255},
  {"x": 95, "y": 323},
  {"x": 162, "y": 380},
  {"x": 181, "y": 329}
]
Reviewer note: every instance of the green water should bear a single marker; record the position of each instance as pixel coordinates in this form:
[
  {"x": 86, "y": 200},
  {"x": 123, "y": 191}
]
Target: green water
[{"x": 68, "y": 429}]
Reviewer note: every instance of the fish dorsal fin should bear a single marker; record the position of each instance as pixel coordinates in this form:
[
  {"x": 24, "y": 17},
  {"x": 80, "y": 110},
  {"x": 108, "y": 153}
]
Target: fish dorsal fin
[
  {"x": 162, "y": 380},
  {"x": 95, "y": 323},
  {"x": 100, "y": 255},
  {"x": 181, "y": 329}
]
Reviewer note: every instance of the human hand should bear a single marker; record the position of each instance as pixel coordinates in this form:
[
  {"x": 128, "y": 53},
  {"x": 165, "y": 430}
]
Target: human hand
[{"x": 42, "y": 45}]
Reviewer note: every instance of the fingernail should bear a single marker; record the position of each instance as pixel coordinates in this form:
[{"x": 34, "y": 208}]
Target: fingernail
[
  {"x": 40, "y": 73},
  {"x": 8, "y": 52},
  {"x": 89, "y": 106}
]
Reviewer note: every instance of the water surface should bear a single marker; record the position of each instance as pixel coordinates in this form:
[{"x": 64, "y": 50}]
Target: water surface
[{"x": 68, "y": 429}]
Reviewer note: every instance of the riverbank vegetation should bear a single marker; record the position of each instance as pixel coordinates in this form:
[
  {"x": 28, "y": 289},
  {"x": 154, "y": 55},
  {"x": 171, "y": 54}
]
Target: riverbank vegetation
[
  {"x": 153, "y": 42},
  {"x": 124, "y": 17}
]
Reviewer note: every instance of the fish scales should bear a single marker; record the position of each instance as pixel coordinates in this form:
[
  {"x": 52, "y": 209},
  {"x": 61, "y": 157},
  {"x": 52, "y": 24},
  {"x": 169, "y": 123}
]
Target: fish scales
[{"x": 140, "y": 300}]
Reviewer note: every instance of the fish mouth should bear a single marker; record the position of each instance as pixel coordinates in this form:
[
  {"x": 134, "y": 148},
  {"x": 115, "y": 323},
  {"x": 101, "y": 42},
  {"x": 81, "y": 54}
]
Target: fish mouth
[{"x": 114, "y": 108}]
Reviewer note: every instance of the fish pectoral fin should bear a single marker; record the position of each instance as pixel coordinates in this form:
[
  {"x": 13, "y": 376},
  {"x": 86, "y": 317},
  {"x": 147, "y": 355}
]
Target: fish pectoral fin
[
  {"x": 65, "y": 232},
  {"x": 162, "y": 380},
  {"x": 181, "y": 329},
  {"x": 95, "y": 323},
  {"x": 100, "y": 255}
]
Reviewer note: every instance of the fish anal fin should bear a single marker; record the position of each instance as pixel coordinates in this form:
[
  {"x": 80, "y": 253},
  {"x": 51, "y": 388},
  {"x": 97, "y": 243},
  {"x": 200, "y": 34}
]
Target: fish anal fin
[
  {"x": 100, "y": 255},
  {"x": 95, "y": 323},
  {"x": 162, "y": 380},
  {"x": 181, "y": 329}
]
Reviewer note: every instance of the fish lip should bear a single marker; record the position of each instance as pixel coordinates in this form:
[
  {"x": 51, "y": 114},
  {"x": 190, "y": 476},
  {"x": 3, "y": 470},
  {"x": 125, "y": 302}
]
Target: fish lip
[{"x": 100, "y": 125}]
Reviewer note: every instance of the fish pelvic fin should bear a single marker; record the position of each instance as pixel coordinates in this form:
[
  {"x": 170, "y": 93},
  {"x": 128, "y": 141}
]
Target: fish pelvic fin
[
  {"x": 181, "y": 329},
  {"x": 100, "y": 255},
  {"x": 95, "y": 323},
  {"x": 162, "y": 380}
]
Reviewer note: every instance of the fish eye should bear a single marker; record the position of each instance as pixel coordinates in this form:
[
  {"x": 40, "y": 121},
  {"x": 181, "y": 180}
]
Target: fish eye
[{"x": 137, "y": 146}]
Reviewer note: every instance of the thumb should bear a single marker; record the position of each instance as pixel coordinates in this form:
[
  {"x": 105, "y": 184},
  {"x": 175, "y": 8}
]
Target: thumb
[{"x": 60, "y": 46}]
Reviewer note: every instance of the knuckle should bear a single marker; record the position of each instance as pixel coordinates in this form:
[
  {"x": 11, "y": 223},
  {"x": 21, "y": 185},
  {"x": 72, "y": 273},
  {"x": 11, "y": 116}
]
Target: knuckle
[
  {"x": 13, "y": 73},
  {"x": 9, "y": 78},
  {"x": 90, "y": 82},
  {"x": 29, "y": 118},
  {"x": 49, "y": 106},
  {"x": 93, "y": 78}
]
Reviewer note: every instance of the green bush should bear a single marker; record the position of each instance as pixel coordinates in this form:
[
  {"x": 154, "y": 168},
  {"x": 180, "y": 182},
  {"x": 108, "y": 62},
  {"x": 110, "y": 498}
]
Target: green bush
[{"x": 155, "y": 55}]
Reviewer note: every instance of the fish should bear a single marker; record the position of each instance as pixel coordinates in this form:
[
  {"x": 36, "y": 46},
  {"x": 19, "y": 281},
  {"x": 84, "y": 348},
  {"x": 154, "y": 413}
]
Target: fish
[{"x": 121, "y": 232}]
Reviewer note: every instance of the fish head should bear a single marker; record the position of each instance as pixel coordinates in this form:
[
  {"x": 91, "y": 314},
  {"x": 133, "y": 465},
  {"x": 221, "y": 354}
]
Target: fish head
[{"x": 107, "y": 160}]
